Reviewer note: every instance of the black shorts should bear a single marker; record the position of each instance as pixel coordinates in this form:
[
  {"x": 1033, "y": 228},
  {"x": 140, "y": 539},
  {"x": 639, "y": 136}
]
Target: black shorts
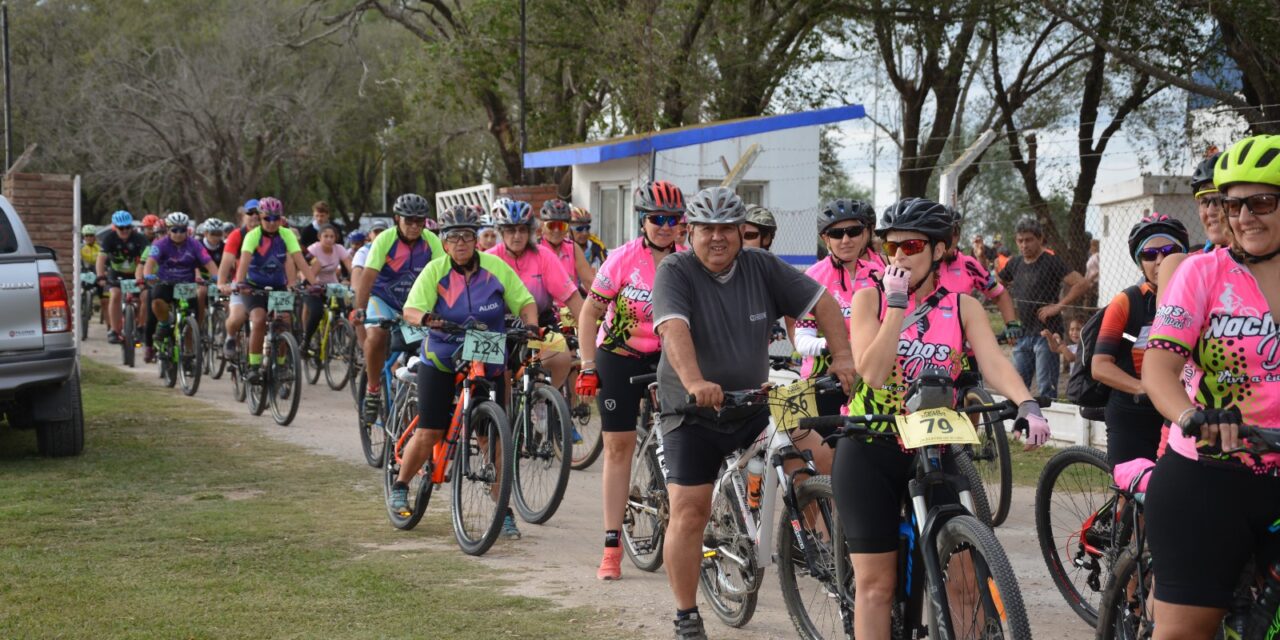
[
  {"x": 114, "y": 278},
  {"x": 869, "y": 480},
  {"x": 618, "y": 400},
  {"x": 436, "y": 395},
  {"x": 1204, "y": 522},
  {"x": 1133, "y": 430},
  {"x": 254, "y": 301},
  {"x": 692, "y": 454}
]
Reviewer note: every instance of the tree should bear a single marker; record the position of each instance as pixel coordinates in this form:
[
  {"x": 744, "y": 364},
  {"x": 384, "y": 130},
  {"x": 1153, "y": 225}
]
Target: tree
[{"x": 833, "y": 180}]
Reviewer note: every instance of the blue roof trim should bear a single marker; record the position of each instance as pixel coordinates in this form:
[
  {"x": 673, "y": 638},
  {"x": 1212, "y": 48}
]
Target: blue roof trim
[
  {"x": 798, "y": 259},
  {"x": 687, "y": 136}
]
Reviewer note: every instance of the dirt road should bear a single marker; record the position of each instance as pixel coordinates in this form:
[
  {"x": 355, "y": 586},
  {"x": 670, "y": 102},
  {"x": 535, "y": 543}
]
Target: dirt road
[{"x": 558, "y": 560}]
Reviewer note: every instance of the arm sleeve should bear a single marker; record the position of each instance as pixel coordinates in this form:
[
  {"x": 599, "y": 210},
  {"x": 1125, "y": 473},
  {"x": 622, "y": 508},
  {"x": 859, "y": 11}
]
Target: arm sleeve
[
  {"x": 1009, "y": 272},
  {"x": 559, "y": 284},
  {"x": 671, "y": 294},
  {"x": 983, "y": 280},
  {"x": 250, "y": 242},
  {"x": 514, "y": 293},
  {"x": 807, "y": 341},
  {"x": 425, "y": 291},
  {"x": 1111, "y": 340},
  {"x": 794, "y": 292},
  {"x": 290, "y": 241},
  {"x": 606, "y": 285},
  {"x": 379, "y": 249},
  {"x": 1186, "y": 299}
]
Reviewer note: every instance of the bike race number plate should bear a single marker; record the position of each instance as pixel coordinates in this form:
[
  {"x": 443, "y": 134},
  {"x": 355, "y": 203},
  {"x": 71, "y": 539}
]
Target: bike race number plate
[
  {"x": 280, "y": 301},
  {"x": 553, "y": 343},
  {"x": 412, "y": 333},
  {"x": 185, "y": 290},
  {"x": 790, "y": 403},
  {"x": 338, "y": 290},
  {"x": 486, "y": 346},
  {"x": 88, "y": 278},
  {"x": 929, "y": 427},
  {"x": 129, "y": 286}
]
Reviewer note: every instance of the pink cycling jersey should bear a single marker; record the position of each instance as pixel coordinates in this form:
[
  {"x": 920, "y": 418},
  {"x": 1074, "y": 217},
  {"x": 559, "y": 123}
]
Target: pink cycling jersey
[
  {"x": 565, "y": 254},
  {"x": 964, "y": 274},
  {"x": 541, "y": 274},
  {"x": 1214, "y": 313},
  {"x": 841, "y": 286},
  {"x": 624, "y": 284}
]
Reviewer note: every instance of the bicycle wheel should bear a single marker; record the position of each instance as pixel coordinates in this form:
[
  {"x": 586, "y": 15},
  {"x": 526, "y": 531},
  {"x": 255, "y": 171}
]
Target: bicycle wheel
[
  {"x": 86, "y": 312},
  {"x": 542, "y": 436},
  {"x": 1074, "y": 524},
  {"x": 587, "y": 436},
  {"x": 991, "y": 456},
  {"x": 217, "y": 361},
  {"x": 129, "y": 328},
  {"x": 240, "y": 386},
  {"x": 311, "y": 364},
  {"x": 189, "y": 356},
  {"x": 644, "y": 522},
  {"x": 257, "y": 392},
  {"x": 981, "y": 506},
  {"x": 286, "y": 378},
  {"x": 337, "y": 353},
  {"x": 982, "y": 591},
  {"x": 1124, "y": 613},
  {"x": 356, "y": 355},
  {"x": 481, "y": 477},
  {"x": 808, "y": 577},
  {"x": 731, "y": 587},
  {"x": 420, "y": 486},
  {"x": 373, "y": 437},
  {"x": 165, "y": 348}
]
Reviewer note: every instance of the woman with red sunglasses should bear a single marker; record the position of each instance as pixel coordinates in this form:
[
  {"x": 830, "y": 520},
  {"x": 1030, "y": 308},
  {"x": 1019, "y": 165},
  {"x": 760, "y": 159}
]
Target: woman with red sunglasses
[{"x": 556, "y": 214}]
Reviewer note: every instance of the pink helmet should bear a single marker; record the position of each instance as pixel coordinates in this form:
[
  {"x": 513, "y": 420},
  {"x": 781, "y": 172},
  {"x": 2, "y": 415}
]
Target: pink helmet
[{"x": 270, "y": 206}]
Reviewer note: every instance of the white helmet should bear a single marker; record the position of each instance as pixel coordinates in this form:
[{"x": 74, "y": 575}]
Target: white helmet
[{"x": 177, "y": 219}]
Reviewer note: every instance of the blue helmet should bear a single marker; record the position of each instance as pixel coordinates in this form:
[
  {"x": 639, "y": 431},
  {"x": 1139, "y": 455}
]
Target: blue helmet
[
  {"x": 122, "y": 219},
  {"x": 356, "y": 236},
  {"x": 250, "y": 204},
  {"x": 505, "y": 212}
]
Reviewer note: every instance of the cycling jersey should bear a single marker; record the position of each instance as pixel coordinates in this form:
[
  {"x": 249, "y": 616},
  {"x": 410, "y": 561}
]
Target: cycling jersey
[
  {"x": 837, "y": 281},
  {"x": 541, "y": 272},
  {"x": 232, "y": 242},
  {"x": 487, "y": 296},
  {"x": 1214, "y": 313},
  {"x": 269, "y": 253},
  {"x": 398, "y": 264},
  {"x": 123, "y": 254},
  {"x": 566, "y": 254},
  {"x": 178, "y": 262},
  {"x": 624, "y": 285},
  {"x": 361, "y": 255},
  {"x": 964, "y": 274},
  {"x": 89, "y": 255}
]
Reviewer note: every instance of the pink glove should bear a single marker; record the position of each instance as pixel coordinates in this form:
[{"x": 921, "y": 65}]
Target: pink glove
[
  {"x": 896, "y": 280},
  {"x": 1037, "y": 426}
]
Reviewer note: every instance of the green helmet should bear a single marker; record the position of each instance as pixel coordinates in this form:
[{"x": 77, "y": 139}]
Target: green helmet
[
  {"x": 88, "y": 230},
  {"x": 1255, "y": 159}
]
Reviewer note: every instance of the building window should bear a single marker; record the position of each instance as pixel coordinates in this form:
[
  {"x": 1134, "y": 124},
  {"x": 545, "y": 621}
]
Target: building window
[
  {"x": 750, "y": 192},
  {"x": 616, "y": 224}
]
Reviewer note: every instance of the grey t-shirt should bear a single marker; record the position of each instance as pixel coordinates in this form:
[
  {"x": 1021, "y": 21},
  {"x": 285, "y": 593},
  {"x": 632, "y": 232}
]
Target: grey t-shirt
[{"x": 730, "y": 323}]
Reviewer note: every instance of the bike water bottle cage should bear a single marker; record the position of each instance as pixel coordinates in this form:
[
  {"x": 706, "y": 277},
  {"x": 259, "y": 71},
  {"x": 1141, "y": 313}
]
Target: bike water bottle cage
[{"x": 932, "y": 390}]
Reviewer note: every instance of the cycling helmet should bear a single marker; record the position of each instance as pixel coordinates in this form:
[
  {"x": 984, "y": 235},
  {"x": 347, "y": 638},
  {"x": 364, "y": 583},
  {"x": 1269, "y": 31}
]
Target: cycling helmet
[
  {"x": 716, "y": 205},
  {"x": 1156, "y": 224},
  {"x": 379, "y": 225},
  {"x": 88, "y": 230},
  {"x": 556, "y": 209},
  {"x": 461, "y": 216},
  {"x": 269, "y": 206},
  {"x": 919, "y": 215},
  {"x": 846, "y": 209},
  {"x": 150, "y": 221},
  {"x": 658, "y": 197},
  {"x": 214, "y": 225},
  {"x": 761, "y": 217},
  {"x": 1250, "y": 160},
  {"x": 1202, "y": 177},
  {"x": 411, "y": 205},
  {"x": 357, "y": 236},
  {"x": 506, "y": 212},
  {"x": 177, "y": 219},
  {"x": 122, "y": 219},
  {"x": 578, "y": 214},
  {"x": 250, "y": 205}
]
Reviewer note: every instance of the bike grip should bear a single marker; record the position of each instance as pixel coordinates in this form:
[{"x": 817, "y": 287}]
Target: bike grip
[{"x": 690, "y": 399}]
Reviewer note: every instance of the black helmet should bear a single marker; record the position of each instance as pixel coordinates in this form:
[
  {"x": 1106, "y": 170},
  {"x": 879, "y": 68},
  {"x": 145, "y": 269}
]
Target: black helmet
[
  {"x": 716, "y": 205},
  {"x": 1152, "y": 224},
  {"x": 845, "y": 209},
  {"x": 919, "y": 215},
  {"x": 412, "y": 205},
  {"x": 1202, "y": 177},
  {"x": 461, "y": 216}
]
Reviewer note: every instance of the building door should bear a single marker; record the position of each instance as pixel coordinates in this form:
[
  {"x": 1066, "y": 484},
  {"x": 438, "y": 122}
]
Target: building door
[{"x": 617, "y": 222}]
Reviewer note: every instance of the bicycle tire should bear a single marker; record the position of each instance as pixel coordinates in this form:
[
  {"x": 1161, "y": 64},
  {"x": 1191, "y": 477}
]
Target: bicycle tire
[
  {"x": 471, "y": 477},
  {"x": 978, "y": 491},
  {"x": 128, "y": 342},
  {"x": 726, "y": 523},
  {"x": 420, "y": 487},
  {"x": 541, "y": 456},
  {"x": 814, "y": 493},
  {"x": 217, "y": 360},
  {"x": 356, "y": 355},
  {"x": 164, "y": 349},
  {"x": 991, "y": 457},
  {"x": 644, "y": 520},
  {"x": 590, "y": 433},
  {"x": 313, "y": 367},
  {"x": 992, "y": 569},
  {"x": 1081, "y": 576},
  {"x": 336, "y": 353},
  {"x": 86, "y": 312},
  {"x": 285, "y": 390},
  {"x": 189, "y": 376},
  {"x": 373, "y": 438},
  {"x": 257, "y": 393},
  {"x": 1123, "y": 612}
]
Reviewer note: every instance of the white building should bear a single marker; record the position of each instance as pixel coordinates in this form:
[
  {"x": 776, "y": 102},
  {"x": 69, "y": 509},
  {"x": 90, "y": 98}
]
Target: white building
[
  {"x": 783, "y": 177},
  {"x": 1122, "y": 205}
]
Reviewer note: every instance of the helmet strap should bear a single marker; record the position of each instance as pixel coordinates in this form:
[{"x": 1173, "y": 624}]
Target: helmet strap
[
  {"x": 933, "y": 269},
  {"x": 650, "y": 245},
  {"x": 1252, "y": 259},
  {"x": 469, "y": 266}
]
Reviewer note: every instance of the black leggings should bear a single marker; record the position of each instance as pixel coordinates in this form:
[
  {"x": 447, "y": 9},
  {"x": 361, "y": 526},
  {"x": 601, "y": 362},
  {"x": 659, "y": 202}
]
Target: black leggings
[
  {"x": 1133, "y": 430},
  {"x": 314, "y": 306}
]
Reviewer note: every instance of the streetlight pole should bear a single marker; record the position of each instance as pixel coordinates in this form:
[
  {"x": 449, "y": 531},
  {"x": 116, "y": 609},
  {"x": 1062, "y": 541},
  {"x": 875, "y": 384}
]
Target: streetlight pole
[
  {"x": 524, "y": 136},
  {"x": 8, "y": 92}
]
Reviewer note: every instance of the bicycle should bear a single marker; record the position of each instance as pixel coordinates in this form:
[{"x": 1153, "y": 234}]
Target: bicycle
[
  {"x": 588, "y": 435},
  {"x": 541, "y": 435},
  {"x": 130, "y": 292},
  {"x": 179, "y": 352},
  {"x": 281, "y": 372},
  {"x": 991, "y": 455},
  {"x": 941, "y": 540},
  {"x": 89, "y": 293},
  {"x": 330, "y": 349},
  {"x": 470, "y": 456},
  {"x": 404, "y": 339},
  {"x": 214, "y": 334}
]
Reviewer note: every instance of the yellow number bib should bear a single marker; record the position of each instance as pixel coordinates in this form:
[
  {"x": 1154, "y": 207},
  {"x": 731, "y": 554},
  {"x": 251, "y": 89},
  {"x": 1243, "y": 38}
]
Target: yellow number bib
[
  {"x": 935, "y": 426},
  {"x": 790, "y": 403},
  {"x": 553, "y": 342}
]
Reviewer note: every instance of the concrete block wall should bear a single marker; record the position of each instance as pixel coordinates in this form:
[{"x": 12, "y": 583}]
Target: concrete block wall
[
  {"x": 45, "y": 203},
  {"x": 535, "y": 195}
]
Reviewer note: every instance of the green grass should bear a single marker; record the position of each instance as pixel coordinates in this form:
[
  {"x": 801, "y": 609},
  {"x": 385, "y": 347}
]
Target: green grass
[
  {"x": 1028, "y": 464},
  {"x": 178, "y": 523}
]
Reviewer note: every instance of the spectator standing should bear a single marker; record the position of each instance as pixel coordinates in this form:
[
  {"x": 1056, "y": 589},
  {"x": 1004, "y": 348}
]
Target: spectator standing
[{"x": 310, "y": 234}]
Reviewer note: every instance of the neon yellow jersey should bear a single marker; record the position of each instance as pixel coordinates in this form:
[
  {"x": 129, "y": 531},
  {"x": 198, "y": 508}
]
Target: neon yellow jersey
[{"x": 89, "y": 255}]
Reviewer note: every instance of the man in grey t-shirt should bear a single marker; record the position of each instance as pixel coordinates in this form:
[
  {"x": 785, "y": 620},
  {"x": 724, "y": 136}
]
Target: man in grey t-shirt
[{"x": 715, "y": 307}]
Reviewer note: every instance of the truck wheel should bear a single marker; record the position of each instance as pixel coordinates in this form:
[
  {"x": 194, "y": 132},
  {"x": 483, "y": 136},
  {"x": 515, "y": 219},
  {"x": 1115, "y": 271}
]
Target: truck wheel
[{"x": 62, "y": 438}]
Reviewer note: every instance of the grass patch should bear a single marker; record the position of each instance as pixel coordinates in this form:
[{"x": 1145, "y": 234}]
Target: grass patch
[
  {"x": 1027, "y": 465},
  {"x": 177, "y": 522}
]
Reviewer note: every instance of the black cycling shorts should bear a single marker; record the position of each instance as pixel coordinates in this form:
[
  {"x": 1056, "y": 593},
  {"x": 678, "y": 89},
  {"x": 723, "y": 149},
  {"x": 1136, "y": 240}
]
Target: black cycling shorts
[
  {"x": 436, "y": 396},
  {"x": 114, "y": 277},
  {"x": 869, "y": 480},
  {"x": 1204, "y": 522},
  {"x": 692, "y": 454},
  {"x": 1133, "y": 430},
  {"x": 619, "y": 400}
]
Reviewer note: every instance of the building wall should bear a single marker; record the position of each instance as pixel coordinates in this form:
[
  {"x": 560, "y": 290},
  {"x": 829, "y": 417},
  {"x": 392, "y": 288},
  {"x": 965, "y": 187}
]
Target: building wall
[
  {"x": 1121, "y": 207},
  {"x": 45, "y": 203}
]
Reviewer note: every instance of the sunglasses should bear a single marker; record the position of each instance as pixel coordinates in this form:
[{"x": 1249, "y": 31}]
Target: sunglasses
[
  {"x": 460, "y": 236},
  {"x": 582, "y": 228},
  {"x": 909, "y": 247},
  {"x": 850, "y": 232},
  {"x": 177, "y": 229},
  {"x": 556, "y": 225},
  {"x": 1149, "y": 255},
  {"x": 750, "y": 235},
  {"x": 1214, "y": 200},
  {"x": 1260, "y": 204},
  {"x": 664, "y": 221},
  {"x": 271, "y": 218}
]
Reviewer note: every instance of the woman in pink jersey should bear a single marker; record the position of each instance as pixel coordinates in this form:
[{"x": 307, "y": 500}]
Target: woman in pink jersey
[
  {"x": 556, "y": 215},
  {"x": 965, "y": 274},
  {"x": 625, "y": 346},
  {"x": 870, "y": 478},
  {"x": 1209, "y": 513}
]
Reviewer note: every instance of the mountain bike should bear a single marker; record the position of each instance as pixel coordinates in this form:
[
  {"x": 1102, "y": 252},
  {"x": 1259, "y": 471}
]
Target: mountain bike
[
  {"x": 404, "y": 340},
  {"x": 279, "y": 384},
  {"x": 330, "y": 344},
  {"x": 542, "y": 435},
  {"x": 214, "y": 334},
  {"x": 991, "y": 455},
  {"x": 644, "y": 521},
  {"x": 89, "y": 292},
  {"x": 475, "y": 454},
  {"x": 130, "y": 294},
  {"x": 179, "y": 350},
  {"x": 588, "y": 436}
]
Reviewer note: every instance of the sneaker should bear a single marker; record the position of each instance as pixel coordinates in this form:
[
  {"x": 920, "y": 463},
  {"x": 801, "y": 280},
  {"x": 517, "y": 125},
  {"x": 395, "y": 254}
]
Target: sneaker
[
  {"x": 229, "y": 349},
  {"x": 372, "y": 404},
  {"x": 509, "y": 529},
  {"x": 254, "y": 376},
  {"x": 399, "y": 500},
  {"x": 577, "y": 437},
  {"x": 114, "y": 338},
  {"x": 690, "y": 628},
  {"x": 149, "y": 354},
  {"x": 610, "y": 564}
]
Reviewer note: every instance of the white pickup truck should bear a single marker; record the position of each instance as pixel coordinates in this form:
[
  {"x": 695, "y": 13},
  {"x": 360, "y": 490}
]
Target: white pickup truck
[{"x": 39, "y": 371}]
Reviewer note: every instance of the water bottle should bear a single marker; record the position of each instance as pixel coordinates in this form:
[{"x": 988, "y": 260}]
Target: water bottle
[{"x": 755, "y": 481}]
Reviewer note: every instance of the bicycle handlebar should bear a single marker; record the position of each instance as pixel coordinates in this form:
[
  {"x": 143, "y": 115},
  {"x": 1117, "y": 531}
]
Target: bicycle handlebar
[{"x": 847, "y": 426}]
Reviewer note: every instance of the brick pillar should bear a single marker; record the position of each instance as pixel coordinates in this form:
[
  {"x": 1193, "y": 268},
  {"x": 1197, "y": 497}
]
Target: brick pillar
[
  {"x": 45, "y": 202},
  {"x": 535, "y": 195}
]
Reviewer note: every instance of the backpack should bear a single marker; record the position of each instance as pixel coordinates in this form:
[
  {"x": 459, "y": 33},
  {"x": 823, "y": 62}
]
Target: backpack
[{"x": 1082, "y": 388}]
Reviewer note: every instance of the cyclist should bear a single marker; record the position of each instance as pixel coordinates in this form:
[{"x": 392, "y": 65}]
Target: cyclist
[
  {"x": 151, "y": 224},
  {"x": 173, "y": 259},
  {"x": 119, "y": 259},
  {"x": 961, "y": 273},
  {"x": 395, "y": 260},
  {"x": 556, "y": 215},
  {"x": 459, "y": 286},
  {"x": 266, "y": 255},
  {"x": 89, "y": 248},
  {"x": 355, "y": 242},
  {"x": 870, "y": 477},
  {"x": 715, "y": 308},
  {"x": 357, "y": 266},
  {"x": 1209, "y": 207},
  {"x": 625, "y": 346},
  {"x": 213, "y": 238},
  {"x": 237, "y": 314},
  {"x": 487, "y": 238},
  {"x": 326, "y": 256},
  {"x": 1209, "y": 513},
  {"x": 542, "y": 273},
  {"x": 760, "y": 228},
  {"x": 580, "y": 227}
]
